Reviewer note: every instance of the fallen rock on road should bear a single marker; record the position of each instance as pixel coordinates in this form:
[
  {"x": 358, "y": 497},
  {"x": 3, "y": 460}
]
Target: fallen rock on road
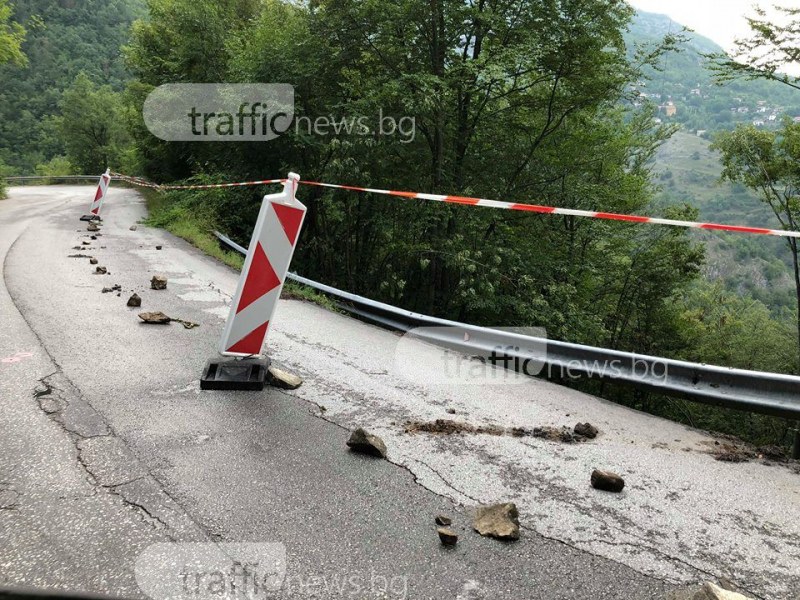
[
  {"x": 607, "y": 481},
  {"x": 158, "y": 282},
  {"x": 363, "y": 442},
  {"x": 155, "y": 318},
  {"x": 283, "y": 379},
  {"x": 499, "y": 521},
  {"x": 135, "y": 301},
  {"x": 586, "y": 430},
  {"x": 447, "y": 536}
]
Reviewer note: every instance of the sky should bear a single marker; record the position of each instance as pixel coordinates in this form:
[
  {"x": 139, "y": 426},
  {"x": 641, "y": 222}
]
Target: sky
[{"x": 720, "y": 20}]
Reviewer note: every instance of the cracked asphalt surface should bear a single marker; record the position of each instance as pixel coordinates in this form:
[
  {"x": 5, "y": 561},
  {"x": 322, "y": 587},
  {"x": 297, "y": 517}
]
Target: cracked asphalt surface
[{"x": 109, "y": 446}]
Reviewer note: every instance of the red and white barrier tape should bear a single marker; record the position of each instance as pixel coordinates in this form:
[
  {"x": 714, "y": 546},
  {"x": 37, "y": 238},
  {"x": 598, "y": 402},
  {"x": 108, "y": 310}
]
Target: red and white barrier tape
[
  {"x": 143, "y": 183},
  {"x": 551, "y": 210}
]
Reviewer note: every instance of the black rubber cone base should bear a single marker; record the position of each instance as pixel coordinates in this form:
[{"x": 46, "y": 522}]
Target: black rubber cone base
[
  {"x": 249, "y": 374},
  {"x": 90, "y": 218}
]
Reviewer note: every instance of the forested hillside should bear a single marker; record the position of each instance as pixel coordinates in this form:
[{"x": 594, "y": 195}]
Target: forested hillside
[
  {"x": 64, "y": 38},
  {"x": 684, "y": 80}
]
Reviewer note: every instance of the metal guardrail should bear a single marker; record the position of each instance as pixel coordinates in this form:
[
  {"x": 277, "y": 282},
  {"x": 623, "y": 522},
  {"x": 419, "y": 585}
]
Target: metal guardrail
[
  {"x": 49, "y": 177},
  {"x": 755, "y": 391}
]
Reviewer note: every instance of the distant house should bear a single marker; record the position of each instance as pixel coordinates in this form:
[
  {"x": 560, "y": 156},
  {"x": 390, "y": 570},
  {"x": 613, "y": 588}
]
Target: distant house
[
  {"x": 743, "y": 110},
  {"x": 657, "y": 121},
  {"x": 669, "y": 109},
  {"x": 701, "y": 132},
  {"x": 762, "y": 109},
  {"x": 758, "y": 123},
  {"x": 796, "y": 119},
  {"x": 695, "y": 91},
  {"x": 761, "y": 102},
  {"x": 772, "y": 118}
]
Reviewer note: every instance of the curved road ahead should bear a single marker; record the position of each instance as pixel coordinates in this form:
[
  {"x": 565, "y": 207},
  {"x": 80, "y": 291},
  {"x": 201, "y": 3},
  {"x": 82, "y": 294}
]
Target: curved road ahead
[{"x": 108, "y": 446}]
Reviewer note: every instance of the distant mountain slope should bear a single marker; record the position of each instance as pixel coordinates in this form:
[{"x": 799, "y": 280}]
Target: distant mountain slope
[
  {"x": 688, "y": 171},
  {"x": 684, "y": 80},
  {"x": 64, "y": 38}
]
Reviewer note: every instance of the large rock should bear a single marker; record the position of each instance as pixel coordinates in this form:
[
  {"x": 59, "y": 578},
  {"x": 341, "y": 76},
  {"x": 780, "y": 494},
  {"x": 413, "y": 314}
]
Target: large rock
[
  {"x": 499, "y": 521},
  {"x": 158, "y": 282},
  {"x": 366, "y": 443},
  {"x": 156, "y": 318},
  {"x": 283, "y": 379},
  {"x": 607, "y": 481}
]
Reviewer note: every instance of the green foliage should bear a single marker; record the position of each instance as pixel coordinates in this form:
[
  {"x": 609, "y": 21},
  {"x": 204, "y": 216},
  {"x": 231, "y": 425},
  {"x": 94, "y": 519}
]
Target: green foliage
[
  {"x": 11, "y": 37},
  {"x": 92, "y": 126},
  {"x": 766, "y": 54},
  {"x": 64, "y": 38},
  {"x": 58, "y": 165}
]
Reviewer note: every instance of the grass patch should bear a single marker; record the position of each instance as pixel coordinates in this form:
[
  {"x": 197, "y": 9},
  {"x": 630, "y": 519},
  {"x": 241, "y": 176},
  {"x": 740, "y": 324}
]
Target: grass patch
[{"x": 167, "y": 212}]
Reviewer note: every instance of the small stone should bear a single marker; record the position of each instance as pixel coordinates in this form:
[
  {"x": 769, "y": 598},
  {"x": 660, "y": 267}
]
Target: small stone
[
  {"x": 93, "y": 237},
  {"x": 365, "y": 443},
  {"x": 100, "y": 271},
  {"x": 282, "y": 379},
  {"x": 156, "y": 318},
  {"x": 586, "y": 430},
  {"x": 715, "y": 592},
  {"x": 133, "y": 227},
  {"x": 93, "y": 261},
  {"x": 607, "y": 481},
  {"x": 135, "y": 301},
  {"x": 92, "y": 227},
  {"x": 158, "y": 282},
  {"x": 451, "y": 411},
  {"x": 86, "y": 242},
  {"x": 443, "y": 520},
  {"x": 158, "y": 247},
  {"x": 499, "y": 521},
  {"x": 447, "y": 536},
  {"x": 187, "y": 324}
]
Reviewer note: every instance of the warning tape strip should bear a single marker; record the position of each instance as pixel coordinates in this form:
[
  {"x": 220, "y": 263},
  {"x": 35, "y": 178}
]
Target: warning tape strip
[
  {"x": 551, "y": 210},
  {"x": 466, "y": 200},
  {"x": 141, "y": 182}
]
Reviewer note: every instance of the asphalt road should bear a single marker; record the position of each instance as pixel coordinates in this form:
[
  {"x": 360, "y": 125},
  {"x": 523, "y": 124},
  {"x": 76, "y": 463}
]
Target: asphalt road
[{"x": 109, "y": 447}]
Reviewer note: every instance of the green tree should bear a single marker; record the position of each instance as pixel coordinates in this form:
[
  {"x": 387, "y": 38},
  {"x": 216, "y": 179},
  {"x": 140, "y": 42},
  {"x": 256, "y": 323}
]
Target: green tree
[
  {"x": 766, "y": 54},
  {"x": 769, "y": 163},
  {"x": 12, "y": 35},
  {"x": 92, "y": 126}
]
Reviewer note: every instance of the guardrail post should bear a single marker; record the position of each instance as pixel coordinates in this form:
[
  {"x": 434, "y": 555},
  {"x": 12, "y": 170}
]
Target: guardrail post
[
  {"x": 268, "y": 257},
  {"x": 796, "y": 445}
]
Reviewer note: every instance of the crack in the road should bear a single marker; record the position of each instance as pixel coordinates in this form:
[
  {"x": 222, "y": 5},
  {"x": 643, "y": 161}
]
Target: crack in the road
[{"x": 638, "y": 542}]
